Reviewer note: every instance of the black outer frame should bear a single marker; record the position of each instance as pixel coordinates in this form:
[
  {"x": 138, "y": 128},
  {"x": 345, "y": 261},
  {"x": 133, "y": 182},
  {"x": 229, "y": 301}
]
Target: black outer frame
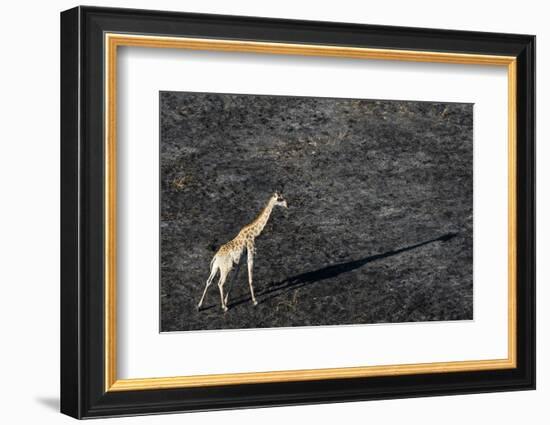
[{"x": 82, "y": 217}]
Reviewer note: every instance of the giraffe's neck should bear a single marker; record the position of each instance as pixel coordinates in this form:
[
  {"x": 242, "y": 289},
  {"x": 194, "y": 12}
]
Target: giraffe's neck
[{"x": 259, "y": 223}]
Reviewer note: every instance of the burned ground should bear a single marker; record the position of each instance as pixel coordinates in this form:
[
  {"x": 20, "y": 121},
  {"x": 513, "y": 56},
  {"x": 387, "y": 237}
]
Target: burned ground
[{"x": 379, "y": 224}]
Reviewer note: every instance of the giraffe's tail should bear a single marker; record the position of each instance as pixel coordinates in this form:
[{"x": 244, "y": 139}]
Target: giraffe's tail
[{"x": 212, "y": 261}]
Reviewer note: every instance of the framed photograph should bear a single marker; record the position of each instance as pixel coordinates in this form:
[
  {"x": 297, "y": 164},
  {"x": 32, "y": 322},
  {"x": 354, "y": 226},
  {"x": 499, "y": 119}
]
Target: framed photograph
[{"x": 261, "y": 212}]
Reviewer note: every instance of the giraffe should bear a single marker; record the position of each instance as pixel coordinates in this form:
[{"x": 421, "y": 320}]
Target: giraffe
[{"x": 230, "y": 253}]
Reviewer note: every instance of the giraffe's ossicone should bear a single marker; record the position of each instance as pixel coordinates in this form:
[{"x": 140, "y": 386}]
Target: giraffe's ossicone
[{"x": 230, "y": 253}]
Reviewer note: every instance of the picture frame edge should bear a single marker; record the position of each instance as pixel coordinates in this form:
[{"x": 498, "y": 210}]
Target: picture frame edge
[{"x": 82, "y": 377}]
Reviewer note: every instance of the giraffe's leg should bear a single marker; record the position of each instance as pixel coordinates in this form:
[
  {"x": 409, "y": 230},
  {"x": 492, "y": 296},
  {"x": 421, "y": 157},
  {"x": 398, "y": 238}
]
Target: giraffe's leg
[
  {"x": 250, "y": 262},
  {"x": 223, "y": 276},
  {"x": 231, "y": 281},
  {"x": 208, "y": 282}
]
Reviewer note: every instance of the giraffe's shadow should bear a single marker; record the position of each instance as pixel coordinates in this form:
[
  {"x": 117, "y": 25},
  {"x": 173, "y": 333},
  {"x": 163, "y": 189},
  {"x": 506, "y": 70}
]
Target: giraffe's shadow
[{"x": 303, "y": 279}]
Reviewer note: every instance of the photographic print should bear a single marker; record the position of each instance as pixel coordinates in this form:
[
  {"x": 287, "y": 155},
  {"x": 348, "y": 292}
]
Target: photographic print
[{"x": 284, "y": 211}]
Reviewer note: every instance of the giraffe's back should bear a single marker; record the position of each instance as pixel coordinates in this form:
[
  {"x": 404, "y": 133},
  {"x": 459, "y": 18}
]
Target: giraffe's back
[{"x": 232, "y": 249}]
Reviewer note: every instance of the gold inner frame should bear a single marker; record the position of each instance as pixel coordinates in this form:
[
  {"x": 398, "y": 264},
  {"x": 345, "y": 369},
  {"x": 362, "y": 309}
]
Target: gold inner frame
[{"x": 113, "y": 41}]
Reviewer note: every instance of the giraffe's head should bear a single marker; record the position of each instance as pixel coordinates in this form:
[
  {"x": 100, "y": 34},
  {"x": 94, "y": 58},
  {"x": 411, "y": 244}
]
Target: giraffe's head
[{"x": 278, "y": 199}]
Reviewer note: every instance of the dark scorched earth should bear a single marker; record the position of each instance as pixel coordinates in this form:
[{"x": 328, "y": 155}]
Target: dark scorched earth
[{"x": 379, "y": 224}]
